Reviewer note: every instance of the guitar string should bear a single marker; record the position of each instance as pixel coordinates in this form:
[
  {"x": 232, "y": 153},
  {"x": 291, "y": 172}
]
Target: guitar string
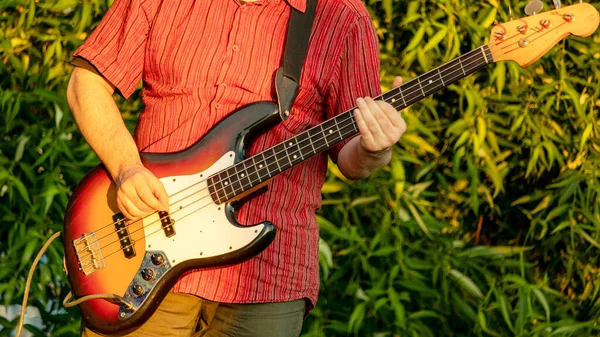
[
  {"x": 494, "y": 47},
  {"x": 391, "y": 98},
  {"x": 351, "y": 124},
  {"x": 476, "y": 52}
]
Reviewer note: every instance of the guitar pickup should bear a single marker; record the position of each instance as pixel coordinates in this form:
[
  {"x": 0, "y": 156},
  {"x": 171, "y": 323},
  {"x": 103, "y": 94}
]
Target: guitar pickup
[
  {"x": 167, "y": 223},
  {"x": 123, "y": 234}
]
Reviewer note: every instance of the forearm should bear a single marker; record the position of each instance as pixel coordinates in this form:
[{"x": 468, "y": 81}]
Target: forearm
[
  {"x": 356, "y": 163},
  {"x": 100, "y": 122}
]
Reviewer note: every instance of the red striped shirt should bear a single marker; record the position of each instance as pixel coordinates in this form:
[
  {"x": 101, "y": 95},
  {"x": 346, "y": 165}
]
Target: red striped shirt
[{"x": 201, "y": 60}]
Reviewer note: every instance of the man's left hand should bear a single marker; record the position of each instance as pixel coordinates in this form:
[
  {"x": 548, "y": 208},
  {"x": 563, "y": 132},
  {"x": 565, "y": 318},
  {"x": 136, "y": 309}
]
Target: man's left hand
[{"x": 379, "y": 123}]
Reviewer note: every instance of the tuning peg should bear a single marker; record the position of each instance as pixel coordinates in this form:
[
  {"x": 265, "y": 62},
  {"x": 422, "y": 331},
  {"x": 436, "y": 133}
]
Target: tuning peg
[
  {"x": 556, "y": 4},
  {"x": 534, "y": 7}
]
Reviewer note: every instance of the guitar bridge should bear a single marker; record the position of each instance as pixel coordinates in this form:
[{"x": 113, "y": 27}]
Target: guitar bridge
[{"x": 88, "y": 253}]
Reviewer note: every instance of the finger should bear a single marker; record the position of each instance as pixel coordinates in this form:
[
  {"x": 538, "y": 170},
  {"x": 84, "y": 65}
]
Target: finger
[
  {"x": 363, "y": 129},
  {"x": 123, "y": 208},
  {"x": 131, "y": 191},
  {"x": 394, "y": 116},
  {"x": 155, "y": 195},
  {"x": 135, "y": 209},
  {"x": 147, "y": 196},
  {"x": 383, "y": 118},
  {"x": 397, "y": 82},
  {"x": 367, "y": 114},
  {"x": 161, "y": 194}
]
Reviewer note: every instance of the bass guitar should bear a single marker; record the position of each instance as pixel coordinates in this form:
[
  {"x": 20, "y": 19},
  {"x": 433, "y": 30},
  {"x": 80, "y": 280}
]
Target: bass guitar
[{"x": 120, "y": 270}]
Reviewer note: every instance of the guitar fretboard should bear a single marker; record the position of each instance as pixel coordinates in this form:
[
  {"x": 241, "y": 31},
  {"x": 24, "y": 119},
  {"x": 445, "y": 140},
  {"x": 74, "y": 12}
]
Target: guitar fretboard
[{"x": 251, "y": 172}]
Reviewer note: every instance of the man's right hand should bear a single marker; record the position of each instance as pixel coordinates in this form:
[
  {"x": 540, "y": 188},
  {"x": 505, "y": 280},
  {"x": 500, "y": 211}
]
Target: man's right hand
[{"x": 139, "y": 192}]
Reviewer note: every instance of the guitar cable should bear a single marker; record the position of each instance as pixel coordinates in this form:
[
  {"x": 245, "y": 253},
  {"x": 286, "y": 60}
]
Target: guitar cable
[
  {"x": 110, "y": 297},
  {"x": 28, "y": 283}
]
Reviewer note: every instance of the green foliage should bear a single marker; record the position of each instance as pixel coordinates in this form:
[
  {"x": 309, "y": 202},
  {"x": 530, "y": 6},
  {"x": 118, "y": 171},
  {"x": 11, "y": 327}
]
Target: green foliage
[{"x": 485, "y": 223}]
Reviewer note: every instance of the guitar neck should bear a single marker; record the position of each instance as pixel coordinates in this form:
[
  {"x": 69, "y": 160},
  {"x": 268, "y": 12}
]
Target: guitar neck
[{"x": 253, "y": 171}]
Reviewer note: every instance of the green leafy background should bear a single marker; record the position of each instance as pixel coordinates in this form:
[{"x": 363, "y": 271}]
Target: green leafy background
[{"x": 485, "y": 223}]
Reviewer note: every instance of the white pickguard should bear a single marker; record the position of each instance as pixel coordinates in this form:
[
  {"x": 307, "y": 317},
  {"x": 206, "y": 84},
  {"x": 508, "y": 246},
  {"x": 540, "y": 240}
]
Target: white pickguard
[{"x": 201, "y": 228}]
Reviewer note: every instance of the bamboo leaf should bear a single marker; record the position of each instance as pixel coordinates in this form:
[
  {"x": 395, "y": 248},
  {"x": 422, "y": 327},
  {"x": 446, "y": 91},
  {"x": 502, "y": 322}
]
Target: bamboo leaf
[
  {"x": 436, "y": 39},
  {"x": 399, "y": 310},
  {"x": 419, "y": 221},
  {"x": 466, "y": 283},
  {"x": 587, "y": 237},
  {"x": 584, "y": 136},
  {"x": 532, "y": 161},
  {"x": 543, "y": 301}
]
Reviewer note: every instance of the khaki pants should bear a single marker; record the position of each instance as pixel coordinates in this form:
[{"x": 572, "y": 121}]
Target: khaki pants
[{"x": 187, "y": 315}]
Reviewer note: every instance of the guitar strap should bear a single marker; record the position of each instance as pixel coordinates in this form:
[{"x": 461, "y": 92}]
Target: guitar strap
[{"x": 287, "y": 79}]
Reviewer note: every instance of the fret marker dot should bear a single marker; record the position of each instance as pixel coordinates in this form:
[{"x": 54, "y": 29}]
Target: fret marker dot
[
  {"x": 242, "y": 175},
  {"x": 393, "y": 100},
  {"x": 290, "y": 144},
  {"x": 226, "y": 183},
  {"x": 261, "y": 165},
  {"x": 295, "y": 156},
  {"x": 430, "y": 81},
  {"x": 330, "y": 131}
]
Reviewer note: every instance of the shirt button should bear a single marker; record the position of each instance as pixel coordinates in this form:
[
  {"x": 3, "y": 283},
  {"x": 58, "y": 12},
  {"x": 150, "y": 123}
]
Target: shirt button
[
  {"x": 235, "y": 47},
  {"x": 224, "y": 85},
  {"x": 217, "y": 106}
]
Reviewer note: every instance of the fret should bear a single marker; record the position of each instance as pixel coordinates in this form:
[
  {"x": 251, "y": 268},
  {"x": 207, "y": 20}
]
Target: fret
[
  {"x": 452, "y": 70},
  {"x": 339, "y": 131},
  {"x": 244, "y": 174},
  {"x": 253, "y": 176},
  {"x": 413, "y": 90},
  {"x": 271, "y": 162},
  {"x": 461, "y": 66},
  {"x": 440, "y": 74},
  {"x": 349, "y": 121},
  {"x": 433, "y": 84},
  {"x": 299, "y": 147},
  {"x": 311, "y": 143},
  {"x": 291, "y": 146},
  {"x": 312, "y": 134},
  {"x": 237, "y": 182},
  {"x": 213, "y": 190},
  {"x": 420, "y": 86},
  {"x": 262, "y": 166},
  {"x": 402, "y": 96},
  {"x": 484, "y": 56},
  {"x": 281, "y": 155},
  {"x": 305, "y": 144},
  {"x": 225, "y": 184},
  {"x": 274, "y": 155},
  {"x": 324, "y": 136},
  {"x": 330, "y": 135}
]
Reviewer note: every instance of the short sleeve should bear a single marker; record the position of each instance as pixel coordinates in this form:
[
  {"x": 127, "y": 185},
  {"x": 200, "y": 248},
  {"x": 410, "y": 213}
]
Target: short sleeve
[
  {"x": 356, "y": 74},
  {"x": 116, "y": 47}
]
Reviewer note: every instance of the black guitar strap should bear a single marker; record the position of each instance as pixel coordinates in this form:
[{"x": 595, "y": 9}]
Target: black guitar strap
[{"x": 287, "y": 79}]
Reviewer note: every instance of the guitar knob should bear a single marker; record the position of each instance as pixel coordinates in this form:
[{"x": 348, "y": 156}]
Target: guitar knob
[
  {"x": 147, "y": 274},
  {"x": 138, "y": 290},
  {"x": 157, "y": 259}
]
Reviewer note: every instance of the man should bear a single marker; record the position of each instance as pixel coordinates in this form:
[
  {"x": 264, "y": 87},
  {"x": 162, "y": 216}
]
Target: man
[{"x": 199, "y": 61}]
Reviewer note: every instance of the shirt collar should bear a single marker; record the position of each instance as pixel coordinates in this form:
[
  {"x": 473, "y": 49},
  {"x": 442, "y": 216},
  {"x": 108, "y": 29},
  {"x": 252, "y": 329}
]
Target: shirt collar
[{"x": 298, "y": 4}]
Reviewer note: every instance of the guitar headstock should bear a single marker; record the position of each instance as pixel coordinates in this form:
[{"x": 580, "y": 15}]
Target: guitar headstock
[{"x": 526, "y": 40}]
